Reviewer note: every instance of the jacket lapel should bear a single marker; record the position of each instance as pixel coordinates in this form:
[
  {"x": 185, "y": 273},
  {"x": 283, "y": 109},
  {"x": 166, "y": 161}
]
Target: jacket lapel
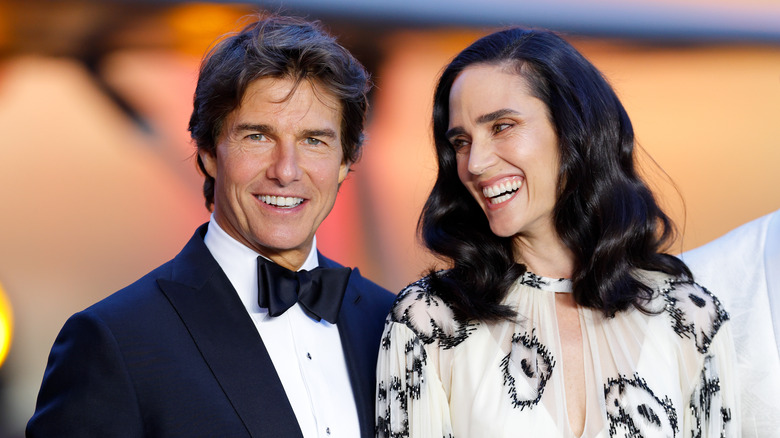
[
  {"x": 359, "y": 365},
  {"x": 228, "y": 340}
]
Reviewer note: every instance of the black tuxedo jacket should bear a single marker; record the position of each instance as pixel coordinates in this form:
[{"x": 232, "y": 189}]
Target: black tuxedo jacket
[{"x": 176, "y": 354}]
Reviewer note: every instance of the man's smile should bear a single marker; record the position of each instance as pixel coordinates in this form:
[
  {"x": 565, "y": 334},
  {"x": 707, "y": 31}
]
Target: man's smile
[{"x": 281, "y": 201}]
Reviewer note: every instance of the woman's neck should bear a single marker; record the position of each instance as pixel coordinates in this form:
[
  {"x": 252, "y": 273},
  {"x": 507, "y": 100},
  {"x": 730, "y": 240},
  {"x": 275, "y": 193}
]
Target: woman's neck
[{"x": 548, "y": 257}]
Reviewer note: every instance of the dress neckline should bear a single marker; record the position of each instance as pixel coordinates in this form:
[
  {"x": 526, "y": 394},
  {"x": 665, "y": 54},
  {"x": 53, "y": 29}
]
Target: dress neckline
[{"x": 544, "y": 283}]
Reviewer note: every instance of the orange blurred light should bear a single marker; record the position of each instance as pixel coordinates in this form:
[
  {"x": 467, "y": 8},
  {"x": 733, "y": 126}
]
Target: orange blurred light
[
  {"x": 197, "y": 26},
  {"x": 6, "y": 325}
]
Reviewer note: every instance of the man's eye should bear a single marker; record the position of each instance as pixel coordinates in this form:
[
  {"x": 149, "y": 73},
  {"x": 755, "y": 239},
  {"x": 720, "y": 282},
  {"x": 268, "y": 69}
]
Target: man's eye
[
  {"x": 500, "y": 127},
  {"x": 313, "y": 141},
  {"x": 256, "y": 137}
]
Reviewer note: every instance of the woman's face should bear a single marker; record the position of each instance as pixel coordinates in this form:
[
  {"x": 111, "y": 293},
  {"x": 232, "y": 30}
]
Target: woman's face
[{"x": 507, "y": 150}]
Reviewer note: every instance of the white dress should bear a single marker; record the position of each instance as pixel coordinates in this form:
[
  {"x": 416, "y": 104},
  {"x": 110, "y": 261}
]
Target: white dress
[
  {"x": 669, "y": 374},
  {"x": 743, "y": 269}
]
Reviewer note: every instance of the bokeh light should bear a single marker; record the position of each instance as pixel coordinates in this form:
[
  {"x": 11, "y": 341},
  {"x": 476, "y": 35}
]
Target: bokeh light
[{"x": 6, "y": 325}]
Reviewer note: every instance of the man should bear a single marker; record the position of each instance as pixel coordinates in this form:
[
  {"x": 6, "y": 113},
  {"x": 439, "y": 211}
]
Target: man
[
  {"x": 226, "y": 340},
  {"x": 742, "y": 268}
]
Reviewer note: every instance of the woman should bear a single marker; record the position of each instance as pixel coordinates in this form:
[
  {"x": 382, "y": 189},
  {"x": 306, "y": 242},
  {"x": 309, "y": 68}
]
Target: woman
[{"x": 560, "y": 314}]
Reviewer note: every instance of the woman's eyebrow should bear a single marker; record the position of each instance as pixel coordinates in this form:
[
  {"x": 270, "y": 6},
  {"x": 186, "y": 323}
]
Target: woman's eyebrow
[{"x": 495, "y": 115}]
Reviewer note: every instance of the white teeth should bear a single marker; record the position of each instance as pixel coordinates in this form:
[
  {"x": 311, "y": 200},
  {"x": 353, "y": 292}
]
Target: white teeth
[
  {"x": 281, "y": 201},
  {"x": 501, "y": 192},
  {"x": 500, "y": 199}
]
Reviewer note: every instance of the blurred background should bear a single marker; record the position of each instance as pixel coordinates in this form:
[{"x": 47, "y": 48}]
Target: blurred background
[{"x": 98, "y": 182}]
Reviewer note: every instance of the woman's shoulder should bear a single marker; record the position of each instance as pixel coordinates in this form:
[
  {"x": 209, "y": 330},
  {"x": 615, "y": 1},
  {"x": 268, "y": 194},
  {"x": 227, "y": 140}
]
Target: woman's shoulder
[
  {"x": 420, "y": 308},
  {"x": 693, "y": 311}
]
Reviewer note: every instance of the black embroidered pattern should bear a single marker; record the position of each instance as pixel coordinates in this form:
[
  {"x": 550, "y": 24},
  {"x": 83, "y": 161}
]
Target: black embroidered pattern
[
  {"x": 395, "y": 395},
  {"x": 535, "y": 365},
  {"x": 696, "y": 313},
  {"x": 633, "y": 411},
  {"x": 427, "y": 315},
  {"x": 706, "y": 400},
  {"x": 430, "y": 319},
  {"x": 532, "y": 280}
]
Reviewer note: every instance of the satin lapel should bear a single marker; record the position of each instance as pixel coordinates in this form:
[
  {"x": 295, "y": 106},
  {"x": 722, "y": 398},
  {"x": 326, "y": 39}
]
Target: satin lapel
[
  {"x": 359, "y": 365},
  {"x": 226, "y": 337}
]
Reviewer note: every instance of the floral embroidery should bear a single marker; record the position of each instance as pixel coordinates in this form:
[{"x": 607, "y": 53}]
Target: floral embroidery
[
  {"x": 395, "y": 395},
  {"x": 696, "y": 312},
  {"x": 537, "y": 282},
  {"x": 634, "y": 411},
  {"x": 392, "y": 395},
  {"x": 705, "y": 403},
  {"x": 527, "y": 369},
  {"x": 428, "y": 316}
]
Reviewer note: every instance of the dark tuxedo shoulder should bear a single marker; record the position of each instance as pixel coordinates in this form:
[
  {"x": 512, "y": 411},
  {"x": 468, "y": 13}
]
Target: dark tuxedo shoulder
[
  {"x": 377, "y": 296},
  {"x": 193, "y": 266},
  {"x": 135, "y": 300},
  {"x": 374, "y": 292}
]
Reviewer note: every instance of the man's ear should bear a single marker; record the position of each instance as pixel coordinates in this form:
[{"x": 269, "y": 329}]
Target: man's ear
[
  {"x": 344, "y": 171},
  {"x": 209, "y": 163}
]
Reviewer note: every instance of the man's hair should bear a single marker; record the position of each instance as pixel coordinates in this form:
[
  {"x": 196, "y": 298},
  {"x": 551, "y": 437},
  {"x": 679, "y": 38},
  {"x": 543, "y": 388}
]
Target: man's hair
[
  {"x": 276, "y": 47},
  {"x": 604, "y": 212}
]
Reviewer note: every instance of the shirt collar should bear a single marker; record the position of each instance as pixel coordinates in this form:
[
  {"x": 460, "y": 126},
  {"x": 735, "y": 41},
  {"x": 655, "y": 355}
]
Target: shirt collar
[{"x": 239, "y": 262}]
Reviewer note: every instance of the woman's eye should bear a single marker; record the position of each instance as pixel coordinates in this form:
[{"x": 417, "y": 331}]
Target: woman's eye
[{"x": 458, "y": 143}]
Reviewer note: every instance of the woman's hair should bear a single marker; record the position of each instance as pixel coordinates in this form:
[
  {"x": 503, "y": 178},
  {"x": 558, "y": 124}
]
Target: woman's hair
[
  {"x": 604, "y": 212},
  {"x": 276, "y": 47}
]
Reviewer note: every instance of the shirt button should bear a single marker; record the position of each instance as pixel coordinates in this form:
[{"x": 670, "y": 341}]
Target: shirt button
[
  {"x": 308, "y": 356},
  {"x": 327, "y": 430}
]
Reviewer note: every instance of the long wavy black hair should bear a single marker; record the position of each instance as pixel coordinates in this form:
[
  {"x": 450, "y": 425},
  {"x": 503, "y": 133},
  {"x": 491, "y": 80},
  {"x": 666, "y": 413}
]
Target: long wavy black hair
[{"x": 605, "y": 214}]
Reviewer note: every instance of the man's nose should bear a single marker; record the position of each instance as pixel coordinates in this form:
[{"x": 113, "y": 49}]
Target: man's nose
[{"x": 285, "y": 167}]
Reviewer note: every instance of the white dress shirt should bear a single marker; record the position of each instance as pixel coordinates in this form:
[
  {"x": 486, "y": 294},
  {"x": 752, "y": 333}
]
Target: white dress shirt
[{"x": 307, "y": 354}]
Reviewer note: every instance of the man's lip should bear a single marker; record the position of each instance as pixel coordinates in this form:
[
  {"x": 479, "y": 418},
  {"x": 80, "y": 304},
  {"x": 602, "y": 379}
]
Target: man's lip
[{"x": 280, "y": 201}]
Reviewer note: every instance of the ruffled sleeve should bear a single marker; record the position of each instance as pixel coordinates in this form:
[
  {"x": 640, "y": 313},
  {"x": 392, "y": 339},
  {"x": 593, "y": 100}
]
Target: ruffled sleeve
[
  {"x": 714, "y": 404},
  {"x": 411, "y": 401},
  {"x": 703, "y": 324},
  {"x": 412, "y": 382}
]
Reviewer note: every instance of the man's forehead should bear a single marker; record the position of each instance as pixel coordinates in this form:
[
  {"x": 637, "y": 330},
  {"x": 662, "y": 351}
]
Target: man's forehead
[{"x": 279, "y": 92}]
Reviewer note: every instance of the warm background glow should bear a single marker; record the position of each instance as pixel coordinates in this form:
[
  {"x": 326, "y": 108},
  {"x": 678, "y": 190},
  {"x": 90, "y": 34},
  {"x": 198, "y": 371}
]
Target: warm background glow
[
  {"x": 99, "y": 185},
  {"x": 6, "y": 326}
]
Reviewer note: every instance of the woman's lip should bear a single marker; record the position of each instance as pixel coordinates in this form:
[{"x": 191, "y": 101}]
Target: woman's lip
[
  {"x": 500, "y": 201},
  {"x": 502, "y": 186},
  {"x": 499, "y": 179}
]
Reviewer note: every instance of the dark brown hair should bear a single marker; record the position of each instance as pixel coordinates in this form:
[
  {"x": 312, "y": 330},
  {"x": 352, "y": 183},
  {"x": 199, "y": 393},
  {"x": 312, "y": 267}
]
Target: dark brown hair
[{"x": 277, "y": 47}]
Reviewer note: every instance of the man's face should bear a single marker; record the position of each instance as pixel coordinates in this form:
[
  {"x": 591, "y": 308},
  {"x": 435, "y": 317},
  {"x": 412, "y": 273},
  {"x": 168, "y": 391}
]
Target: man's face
[{"x": 277, "y": 168}]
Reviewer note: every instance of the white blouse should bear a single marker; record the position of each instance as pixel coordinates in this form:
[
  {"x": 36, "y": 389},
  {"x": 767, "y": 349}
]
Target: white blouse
[{"x": 667, "y": 374}]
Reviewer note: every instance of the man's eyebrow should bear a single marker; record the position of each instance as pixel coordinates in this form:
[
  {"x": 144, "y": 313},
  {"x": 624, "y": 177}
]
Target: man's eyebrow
[
  {"x": 327, "y": 133},
  {"x": 253, "y": 127}
]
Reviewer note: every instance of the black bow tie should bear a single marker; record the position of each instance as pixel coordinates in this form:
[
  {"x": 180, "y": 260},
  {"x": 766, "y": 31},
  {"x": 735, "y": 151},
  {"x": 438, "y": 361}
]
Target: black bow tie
[{"x": 319, "y": 291}]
